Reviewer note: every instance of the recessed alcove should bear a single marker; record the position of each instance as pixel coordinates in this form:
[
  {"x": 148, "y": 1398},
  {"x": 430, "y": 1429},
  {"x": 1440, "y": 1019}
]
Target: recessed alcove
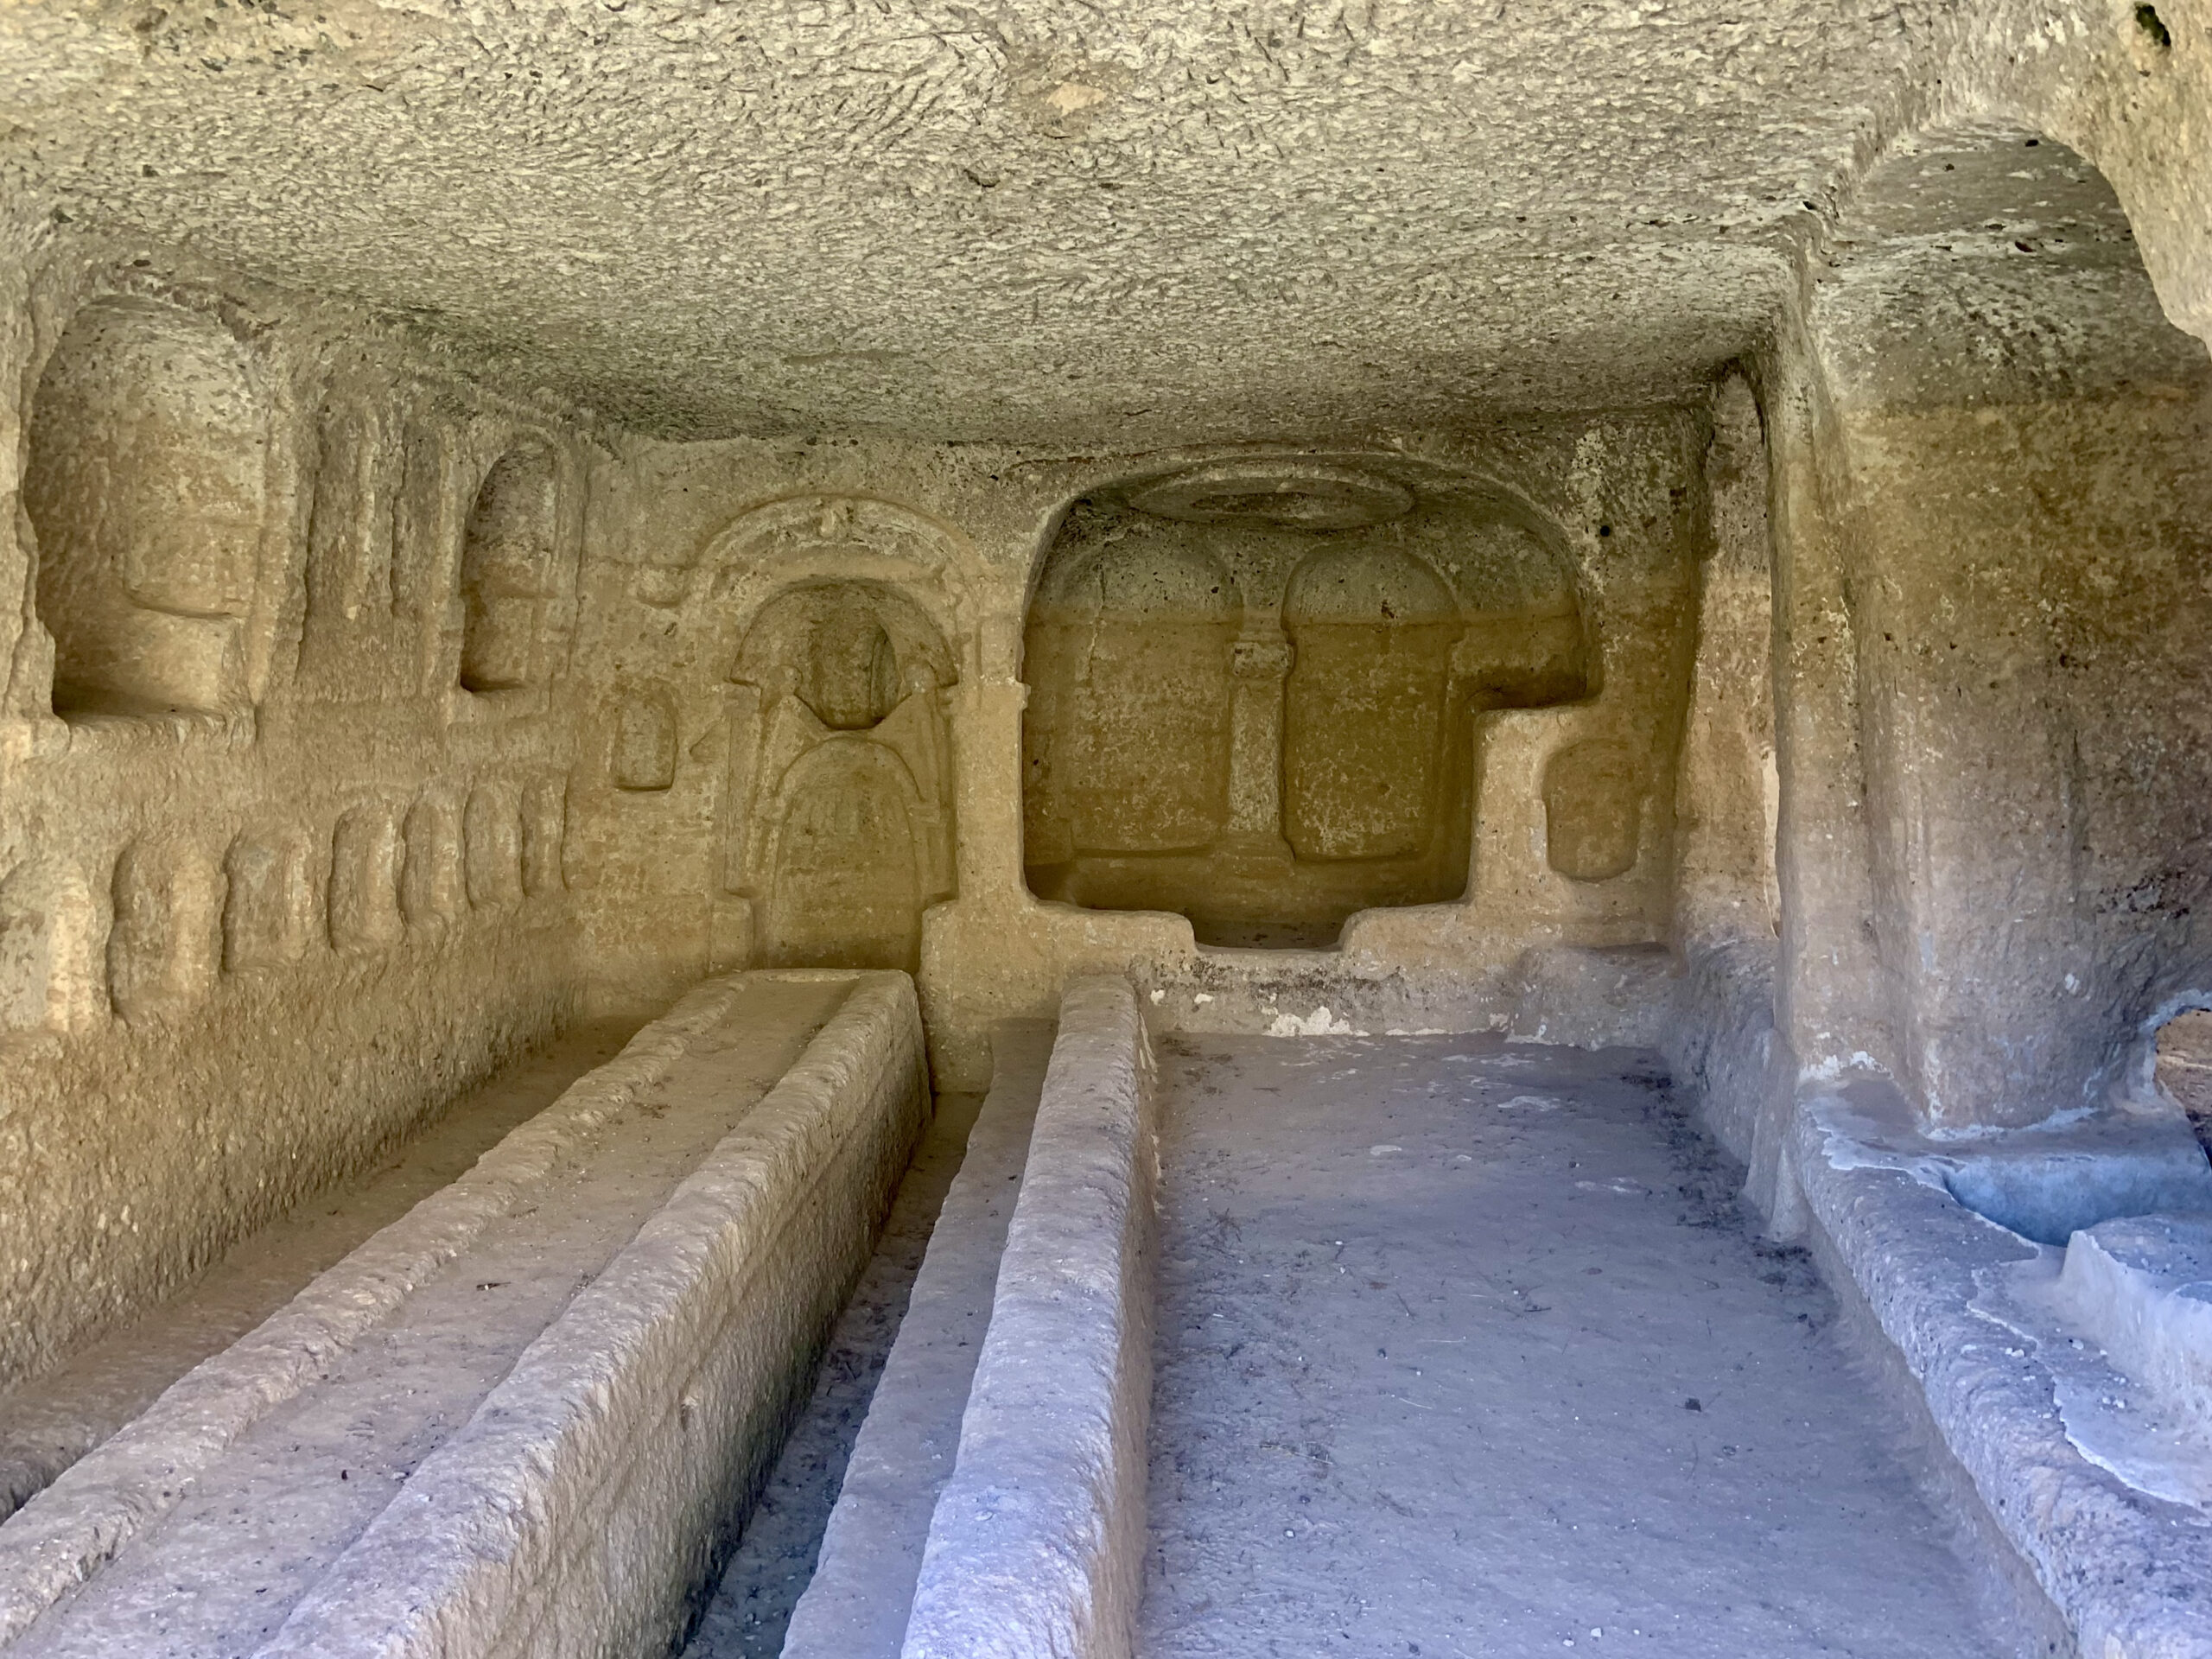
[
  {"x": 1253, "y": 688},
  {"x": 846, "y": 836},
  {"x": 146, "y": 481},
  {"x": 506, "y": 566}
]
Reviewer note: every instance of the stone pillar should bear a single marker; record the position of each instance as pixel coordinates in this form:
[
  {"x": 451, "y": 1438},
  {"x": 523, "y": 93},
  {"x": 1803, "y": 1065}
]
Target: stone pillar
[
  {"x": 1725, "y": 881},
  {"x": 1260, "y": 664}
]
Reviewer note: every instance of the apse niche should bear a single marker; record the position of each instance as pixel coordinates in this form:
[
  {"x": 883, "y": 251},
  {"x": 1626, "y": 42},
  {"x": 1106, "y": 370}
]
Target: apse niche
[
  {"x": 1253, "y": 689},
  {"x": 841, "y": 829}
]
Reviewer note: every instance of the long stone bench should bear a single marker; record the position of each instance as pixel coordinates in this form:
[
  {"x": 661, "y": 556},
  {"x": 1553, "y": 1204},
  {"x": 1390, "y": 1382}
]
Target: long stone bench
[
  {"x": 2098, "y": 1559},
  {"x": 1036, "y": 1547},
  {"x": 857, "y": 1602},
  {"x": 521, "y": 1418}
]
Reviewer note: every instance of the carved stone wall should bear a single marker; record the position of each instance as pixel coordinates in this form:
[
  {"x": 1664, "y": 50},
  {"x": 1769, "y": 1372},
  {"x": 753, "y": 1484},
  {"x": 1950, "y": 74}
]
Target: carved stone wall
[
  {"x": 1005, "y": 717},
  {"x": 1253, "y": 691},
  {"x": 838, "y": 825},
  {"x": 282, "y": 785},
  {"x": 148, "y": 485}
]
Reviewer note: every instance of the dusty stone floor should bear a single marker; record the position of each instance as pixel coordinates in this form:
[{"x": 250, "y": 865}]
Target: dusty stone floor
[
  {"x": 1463, "y": 1350},
  {"x": 751, "y": 1607},
  {"x": 49, "y": 1422}
]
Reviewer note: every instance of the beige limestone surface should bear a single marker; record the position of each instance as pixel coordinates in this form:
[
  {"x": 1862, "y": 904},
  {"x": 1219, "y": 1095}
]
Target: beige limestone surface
[
  {"x": 48, "y": 1423},
  {"x": 506, "y": 510}
]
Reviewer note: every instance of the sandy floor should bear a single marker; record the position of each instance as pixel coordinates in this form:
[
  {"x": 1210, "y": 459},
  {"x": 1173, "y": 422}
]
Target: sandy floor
[
  {"x": 1463, "y": 1350},
  {"x": 50, "y": 1422}
]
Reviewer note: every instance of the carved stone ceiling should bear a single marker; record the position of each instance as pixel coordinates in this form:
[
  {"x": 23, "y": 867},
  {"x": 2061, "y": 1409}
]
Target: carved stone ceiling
[{"x": 1046, "y": 220}]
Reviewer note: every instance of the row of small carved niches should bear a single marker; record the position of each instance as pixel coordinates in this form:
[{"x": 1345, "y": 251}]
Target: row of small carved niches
[
  {"x": 175, "y": 917},
  {"x": 221, "y": 517}
]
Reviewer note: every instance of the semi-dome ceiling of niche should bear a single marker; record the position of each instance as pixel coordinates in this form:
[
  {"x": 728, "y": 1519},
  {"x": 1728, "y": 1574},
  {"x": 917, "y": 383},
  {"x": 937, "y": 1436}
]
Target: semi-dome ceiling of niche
[{"x": 1037, "y": 221}]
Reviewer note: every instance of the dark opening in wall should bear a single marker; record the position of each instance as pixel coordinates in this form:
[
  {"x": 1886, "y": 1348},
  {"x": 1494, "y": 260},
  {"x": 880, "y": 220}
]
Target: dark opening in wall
[
  {"x": 147, "y": 485},
  {"x": 1253, "y": 685},
  {"x": 506, "y": 569}
]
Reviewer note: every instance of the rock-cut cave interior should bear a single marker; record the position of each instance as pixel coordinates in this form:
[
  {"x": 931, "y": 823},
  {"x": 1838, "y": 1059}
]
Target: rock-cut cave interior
[{"x": 1031, "y": 829}]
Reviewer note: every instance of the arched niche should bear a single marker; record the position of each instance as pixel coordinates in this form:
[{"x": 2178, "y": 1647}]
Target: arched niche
[
  {"x": 1129, "y": 653},
  {"x": 164, "y": 945},
  {"x": 147, "y": 483},
  {"x": 850, "y": 651},
  {"x": 1253, "y": 684},
  {"x": 840, "y": 751},
  {"x": 269, "y": 908},
  {"x": 847, "y": 874},
  {"x": 507, "y": 563},
  {"x": 1372, "y": 632},
  {"x": 366, "y": 858}
]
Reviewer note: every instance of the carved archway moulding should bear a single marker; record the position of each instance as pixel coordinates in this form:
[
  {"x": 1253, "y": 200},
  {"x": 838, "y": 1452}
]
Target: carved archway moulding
[
  {"x": 1507, "y": 492},
  {"x": 817, "y": 536}
]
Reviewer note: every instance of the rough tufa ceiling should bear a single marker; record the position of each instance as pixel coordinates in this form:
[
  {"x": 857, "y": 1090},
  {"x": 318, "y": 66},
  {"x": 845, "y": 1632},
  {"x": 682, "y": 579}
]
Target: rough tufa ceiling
[{"x": 1045, "y": 220}]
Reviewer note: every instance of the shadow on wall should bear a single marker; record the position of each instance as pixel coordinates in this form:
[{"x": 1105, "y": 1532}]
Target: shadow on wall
[{"x": 1253, "y": 688}]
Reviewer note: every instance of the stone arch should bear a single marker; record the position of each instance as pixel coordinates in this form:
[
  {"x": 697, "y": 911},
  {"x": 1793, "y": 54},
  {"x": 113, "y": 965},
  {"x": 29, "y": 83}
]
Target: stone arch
[
  {"x": 849, "y": 873},
  {"x": 1367, "y": 705},
  {"x": 507, "y": 560},
  {"x": 147, "y": 483},
  {"x": 797, "y": 540},
  {"x": 851, "y": 651},
  {"x": 1298, "y": 642}
]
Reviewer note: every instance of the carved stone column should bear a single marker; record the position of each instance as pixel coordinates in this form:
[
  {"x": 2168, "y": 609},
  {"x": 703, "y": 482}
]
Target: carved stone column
[{"x": 1260, "y": 664}]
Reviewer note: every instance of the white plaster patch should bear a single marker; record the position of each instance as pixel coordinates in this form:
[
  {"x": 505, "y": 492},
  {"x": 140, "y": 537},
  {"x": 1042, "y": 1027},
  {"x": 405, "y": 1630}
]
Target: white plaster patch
[
  {"x": 1319, "y": 1023},
  {"x": 1529, "y": 1104}
]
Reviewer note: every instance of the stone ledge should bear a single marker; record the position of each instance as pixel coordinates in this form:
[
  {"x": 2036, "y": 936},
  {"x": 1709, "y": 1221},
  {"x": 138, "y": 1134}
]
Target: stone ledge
[
  {"x": 1036, "y": 1550},
  {"x": 2129, "y": 1573},
  {"x": 857, "y": 1603},
  {"x": 581, "y": 1509},
  {"x": 92, "y": 1512}
]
